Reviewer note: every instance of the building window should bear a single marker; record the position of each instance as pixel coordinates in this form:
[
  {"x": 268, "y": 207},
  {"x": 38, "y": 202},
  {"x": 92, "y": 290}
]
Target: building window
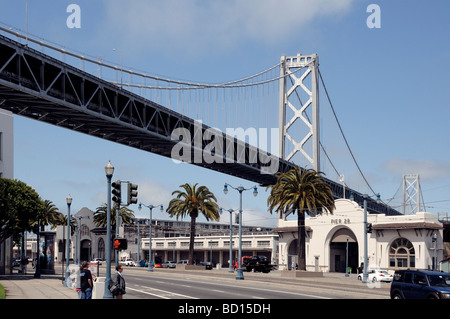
[
  {"x": 263, "y": 243},
  {"x": 402, "y": 254},
  {"x": 84, "y": 230}
]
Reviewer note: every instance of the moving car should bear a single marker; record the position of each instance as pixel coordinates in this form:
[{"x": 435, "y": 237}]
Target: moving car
[
  {"x": 375, "y": 275},
  {"x": 418, "y": 284}
]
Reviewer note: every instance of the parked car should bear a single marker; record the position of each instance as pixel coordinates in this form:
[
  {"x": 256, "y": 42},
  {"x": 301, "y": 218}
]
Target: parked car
[
  {"x": 97, "y": 260},
  {"x": 183, "y": 262},
  {"x": 417, "y": 284},
  {"x": 128, "y": 262},
  {"x": 207, "y": 264},
  {"x": 143, "y": 263},
  {"x": 169, "y": 264},
  {"x": 375, "y": 275},
  {"x": 16, "y": 263}
]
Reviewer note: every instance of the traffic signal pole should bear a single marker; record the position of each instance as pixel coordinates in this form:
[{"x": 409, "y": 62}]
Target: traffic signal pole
[{"x": 131, "y": 199}]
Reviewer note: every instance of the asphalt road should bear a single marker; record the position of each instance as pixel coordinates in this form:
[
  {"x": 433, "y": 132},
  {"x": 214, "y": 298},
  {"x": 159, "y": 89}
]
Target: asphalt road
[{"x": 172, "y": 284}]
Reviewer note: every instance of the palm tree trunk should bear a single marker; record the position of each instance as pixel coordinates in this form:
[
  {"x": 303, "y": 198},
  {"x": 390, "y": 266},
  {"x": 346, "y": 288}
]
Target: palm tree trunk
[
  {"x": 301, "y": 240},
  {"x": 192, "y": 238}
]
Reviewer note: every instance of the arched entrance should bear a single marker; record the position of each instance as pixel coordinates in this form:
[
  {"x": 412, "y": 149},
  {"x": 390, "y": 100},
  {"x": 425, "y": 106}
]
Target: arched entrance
[
  {"x": 85, "y": 251},
  {"x": 342, "y": 239},
  {"x": 292, "y": 253}
]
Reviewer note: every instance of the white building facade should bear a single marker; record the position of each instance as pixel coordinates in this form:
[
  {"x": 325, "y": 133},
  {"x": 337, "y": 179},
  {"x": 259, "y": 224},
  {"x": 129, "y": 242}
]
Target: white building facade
[
  {"x": 334, "y": 241},
  {"x": 215, "y": 249}
]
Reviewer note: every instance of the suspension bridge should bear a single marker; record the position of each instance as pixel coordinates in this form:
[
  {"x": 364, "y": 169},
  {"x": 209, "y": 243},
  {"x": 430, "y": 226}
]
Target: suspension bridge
[{"x": 41, "y": 81}]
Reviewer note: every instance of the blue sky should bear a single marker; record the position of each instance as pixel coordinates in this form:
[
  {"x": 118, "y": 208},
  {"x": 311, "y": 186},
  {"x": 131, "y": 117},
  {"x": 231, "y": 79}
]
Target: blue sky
[{"x": 389, "y": 87}]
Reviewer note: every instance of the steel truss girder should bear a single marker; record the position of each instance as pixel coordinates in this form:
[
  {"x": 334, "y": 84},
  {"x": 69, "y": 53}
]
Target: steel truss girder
[
  {"x": 305, "y": 65},
  {"x": 40, "y": 87},
  {"x": 411, "y": 194}
]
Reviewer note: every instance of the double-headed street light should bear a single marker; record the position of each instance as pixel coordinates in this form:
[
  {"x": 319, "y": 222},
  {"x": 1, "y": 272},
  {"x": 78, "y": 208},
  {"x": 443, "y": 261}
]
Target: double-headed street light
[
  {"x": 150, "y": 258},
  {"x": 230, "y": 268},
  {"x": 109, "y": 170},
  {"x": 240, "y": 189},
  {"x": 365, "y": 278}
]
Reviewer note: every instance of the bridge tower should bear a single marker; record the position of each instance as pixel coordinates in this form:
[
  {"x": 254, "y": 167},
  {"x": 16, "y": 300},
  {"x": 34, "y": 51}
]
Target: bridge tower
[
  {"x": 411, "y": 194},
  {"x": 299, "y": 100}
]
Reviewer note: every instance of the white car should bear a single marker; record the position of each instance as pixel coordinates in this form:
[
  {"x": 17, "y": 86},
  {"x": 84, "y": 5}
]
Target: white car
[
  {"x": 128, "y": 262},
  {"x": 97, "y": 261},
  {"x": 375, "y": 275}
]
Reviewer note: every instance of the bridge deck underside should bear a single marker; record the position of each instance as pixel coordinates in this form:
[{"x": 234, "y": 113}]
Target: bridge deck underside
[{"x": 40, "y": 87}]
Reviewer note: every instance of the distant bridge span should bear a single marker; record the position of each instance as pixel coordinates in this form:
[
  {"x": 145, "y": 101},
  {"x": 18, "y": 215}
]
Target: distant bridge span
[{"x": 40, "y": 87}]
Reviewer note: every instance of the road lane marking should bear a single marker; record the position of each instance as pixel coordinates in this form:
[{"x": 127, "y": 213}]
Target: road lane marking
[{"x": 161, "y": 293}]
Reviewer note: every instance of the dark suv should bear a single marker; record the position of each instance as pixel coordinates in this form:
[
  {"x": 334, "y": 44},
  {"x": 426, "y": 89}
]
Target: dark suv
[{"x": 418, "y": 284}]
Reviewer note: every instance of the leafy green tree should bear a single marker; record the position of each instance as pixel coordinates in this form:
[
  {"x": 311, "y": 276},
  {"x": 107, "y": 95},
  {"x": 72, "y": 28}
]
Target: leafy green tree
[
  {"x": 190, "y": 202},
  {"x": 20, "y": 208},
  {"x": 302, "y": 192}
]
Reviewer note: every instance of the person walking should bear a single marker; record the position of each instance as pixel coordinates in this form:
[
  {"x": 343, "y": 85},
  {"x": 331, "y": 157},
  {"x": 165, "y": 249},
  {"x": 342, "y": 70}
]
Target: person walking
[
  {"x": 119, "y": 281},
  {"x": 85, "y": 281}
]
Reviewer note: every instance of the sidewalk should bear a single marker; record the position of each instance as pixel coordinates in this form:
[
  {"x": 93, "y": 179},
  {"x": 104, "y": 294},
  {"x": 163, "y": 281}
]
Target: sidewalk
[{"x": 19, "y": 286}]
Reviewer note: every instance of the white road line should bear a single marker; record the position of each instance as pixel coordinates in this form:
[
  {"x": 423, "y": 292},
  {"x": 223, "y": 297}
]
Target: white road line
[
  {"x": 161, "y": 293},
  {"x": 217, "y": 290}
]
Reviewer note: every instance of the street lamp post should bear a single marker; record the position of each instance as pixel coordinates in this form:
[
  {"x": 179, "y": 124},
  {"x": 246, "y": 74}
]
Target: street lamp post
[
  {"x": 138, "y": 256},
  {"x": 346, "y": 259},
  {"x": 109, "y": 170},
  {"x": 116, "y": 251},
  {"x": 67, "y": 277},
  {"x": 240, "y": 189},
  {"x": 150, "y": 266},
  {"x": 173, "y": 251},
  {"x": 230, "y": 267},
  {"x": 434, "y": 240},
  {"x": 365, "y": 274}
]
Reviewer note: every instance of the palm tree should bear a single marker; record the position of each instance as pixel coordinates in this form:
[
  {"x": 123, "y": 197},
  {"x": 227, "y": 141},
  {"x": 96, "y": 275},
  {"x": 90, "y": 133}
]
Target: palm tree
[
  {"x": 73, "y": 224},
  {"x": 189, "y": 203},
  {"x": 100, "y": 216},
  {"x": 300, "y": 191},
  {"x": 50, "y": 215}
]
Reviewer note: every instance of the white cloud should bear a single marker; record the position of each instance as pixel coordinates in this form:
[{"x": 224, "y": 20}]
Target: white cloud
[
  {"x": 427, "y": 169},
  {"x": 191, "y": 26}
]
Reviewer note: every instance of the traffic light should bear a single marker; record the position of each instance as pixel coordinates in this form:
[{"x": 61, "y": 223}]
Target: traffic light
[
  {"x": 120, "y": 244},
  {"x": 369, "y": 227},
  {"x": 132, "y": 193},
  {"x": 117, "y": 193}
]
